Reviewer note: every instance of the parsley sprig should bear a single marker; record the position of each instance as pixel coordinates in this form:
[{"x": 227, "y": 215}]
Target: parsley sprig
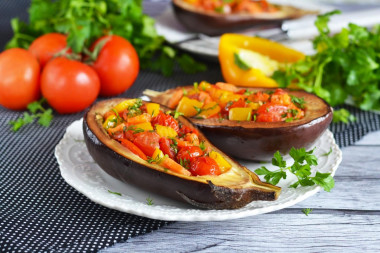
[
  {"x": 36, "y": 111},
  {"x": 301, "y": 168}
]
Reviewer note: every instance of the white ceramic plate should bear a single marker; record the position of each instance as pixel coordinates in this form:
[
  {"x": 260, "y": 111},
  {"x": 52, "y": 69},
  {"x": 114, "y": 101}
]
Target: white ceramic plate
[{"x": 81, "y": 172}]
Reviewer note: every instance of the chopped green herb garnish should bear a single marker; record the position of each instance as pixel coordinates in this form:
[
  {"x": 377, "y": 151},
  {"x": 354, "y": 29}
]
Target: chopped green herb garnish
[
  {"x": 196, "y": 86},
  {"x": 289, "y": 120},
  {"x": 299, "y": 102},
  {"x": 301, "y": 168},
  {"x": 149, "y": 201},
  {"x": 307, "y": 211},
  {"x": 116, "y": 193},
  {"x": 328, "y": 153},
  {"x": 202, "y": 145},
  {"x": 247, "y": 92},
  {"x": 133, "y": 129}
]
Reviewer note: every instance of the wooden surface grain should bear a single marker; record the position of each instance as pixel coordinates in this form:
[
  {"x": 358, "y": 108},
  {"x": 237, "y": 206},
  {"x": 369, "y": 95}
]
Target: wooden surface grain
[{"x": 346, "y": 219}]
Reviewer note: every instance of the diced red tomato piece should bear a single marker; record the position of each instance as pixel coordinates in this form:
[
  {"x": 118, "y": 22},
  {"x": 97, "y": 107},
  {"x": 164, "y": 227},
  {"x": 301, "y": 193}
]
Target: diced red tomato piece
[
  {"x": 271, "y": 112},
  {"x": 166, "y": 148},
  {"x": 129, "y": 135},
  {"x": 188, "y": 153},
  {"x": 165, "y": 120},
  {"x": 186, "y": 130},
  {"x": 147, "y": 142},
  {"x": 205, "y": 165},
  {"x": 259, "y": 97}
]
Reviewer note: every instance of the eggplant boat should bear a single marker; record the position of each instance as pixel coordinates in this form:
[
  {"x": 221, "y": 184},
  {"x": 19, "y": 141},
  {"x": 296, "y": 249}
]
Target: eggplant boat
[
  {"x": 250, "y": 123},
  {"x": 143, "y": 144},
  {"x": 217, "y": 17}
]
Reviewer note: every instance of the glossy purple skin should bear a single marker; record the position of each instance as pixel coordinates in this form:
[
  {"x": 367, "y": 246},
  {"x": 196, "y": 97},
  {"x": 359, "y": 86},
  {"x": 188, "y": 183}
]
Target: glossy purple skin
[{"x": 182, "y": 188}]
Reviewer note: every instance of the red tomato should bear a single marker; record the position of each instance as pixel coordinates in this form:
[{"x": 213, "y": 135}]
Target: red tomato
[
  {"x": 189, "y": 153},
  {"x": 19, "y": 78},
  {"x": 46, "y": 46},
  {"x": 69, "y": 86},
  {"x": 271, "y": 112},
  {"x": 166, "y": 148},
  {"x": 165, "y": 120},
  {"x": 205, "y": 165},
  {"x": 259, "y": 96},
  {"x": 186, "y": 130},
  {"x": 147, "y": 142},
  {"x": 117, "y": 65}
]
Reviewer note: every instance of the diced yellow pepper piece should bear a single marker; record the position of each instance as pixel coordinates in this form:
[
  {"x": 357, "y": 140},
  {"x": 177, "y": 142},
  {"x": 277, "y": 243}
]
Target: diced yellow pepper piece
[
  {"x": 240, "y": 114},
  {"x": 110, "y": 121},
  {"x": 125, "y": 104},
  {"x": 205, "y": 86},
  {"x": 165, "y": 131},
  {"x": 187, "y": 106},
  {"x": 152, "y": 109},
  {"x": 146, "y": 126},
  {"x": 157, "y": 155},
  {"x": 209, "y": 110},
  {"x": 254, "y": 105},
  {"x": 219, "y": 159}
]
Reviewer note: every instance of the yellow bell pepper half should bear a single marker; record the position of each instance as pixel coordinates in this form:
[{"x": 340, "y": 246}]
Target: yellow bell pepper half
[{"x": 265, "y": 56}]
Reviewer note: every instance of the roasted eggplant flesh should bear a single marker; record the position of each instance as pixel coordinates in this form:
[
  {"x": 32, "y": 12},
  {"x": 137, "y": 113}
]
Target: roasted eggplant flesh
[
  {"x": 222, "y": 19},
  {"x": 247, "y": 137},
  {"x": 234, "y": 187}
]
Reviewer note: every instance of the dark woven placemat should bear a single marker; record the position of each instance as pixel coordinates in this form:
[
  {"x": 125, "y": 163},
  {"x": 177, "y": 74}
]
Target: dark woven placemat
[{"x": 40, "y": 212}]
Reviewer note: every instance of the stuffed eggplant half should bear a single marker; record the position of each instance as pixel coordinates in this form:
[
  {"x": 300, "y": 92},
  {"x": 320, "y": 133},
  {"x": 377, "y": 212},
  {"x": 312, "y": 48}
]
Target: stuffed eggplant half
[
  {"x": 143, "y": 144},
  {"x": 250, "y": 123},
  {"x": 219, "y": 16}
]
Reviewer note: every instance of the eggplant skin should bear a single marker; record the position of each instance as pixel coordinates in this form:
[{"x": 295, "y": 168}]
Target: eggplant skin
[
  {"x": 212, "y": 24},
  {"x": 108, "y": 154},
  {"x": 258, "y": 141}
]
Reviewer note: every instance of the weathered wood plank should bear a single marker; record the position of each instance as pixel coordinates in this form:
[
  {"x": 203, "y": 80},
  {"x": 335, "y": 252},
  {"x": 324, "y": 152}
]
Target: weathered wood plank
[
  {"x": 370, "y": 139},
  {"x": 277, "y": 232}
]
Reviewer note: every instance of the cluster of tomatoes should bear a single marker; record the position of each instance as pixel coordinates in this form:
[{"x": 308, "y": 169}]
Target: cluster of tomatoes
[{"x": 50, "y": 69}]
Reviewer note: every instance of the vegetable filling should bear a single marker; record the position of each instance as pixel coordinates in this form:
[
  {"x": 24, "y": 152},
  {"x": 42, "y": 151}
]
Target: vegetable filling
[
  {"x": 228, "y": 102},
  {"x": 159, "y": 138}
]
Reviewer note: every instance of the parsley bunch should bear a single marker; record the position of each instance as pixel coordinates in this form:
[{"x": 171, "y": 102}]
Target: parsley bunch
[
  {"x": 346, "y": 65},
  {"x": 301, "y": 168},
  {"x": 84, "y": 21}
]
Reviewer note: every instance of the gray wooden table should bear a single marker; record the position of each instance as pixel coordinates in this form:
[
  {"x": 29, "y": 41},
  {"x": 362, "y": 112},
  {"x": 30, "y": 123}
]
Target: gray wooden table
[{"x": 346, "y": 219}]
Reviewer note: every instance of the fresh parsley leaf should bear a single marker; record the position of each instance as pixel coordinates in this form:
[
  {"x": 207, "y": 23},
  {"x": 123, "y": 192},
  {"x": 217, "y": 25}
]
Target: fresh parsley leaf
[
  {"x": 325, "y": 180},
  {"x": 116, "y": 193},
  {"x": 299, "y": 102},
  {"x": 301, "y": 168},
  {"x": 342, "y": 115},
  {"x": 328, "y": 153},
  {"x": 149, "y": 201},
  {"x": 307, "y": 211},
  {"x": 36, "y": 111}
]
